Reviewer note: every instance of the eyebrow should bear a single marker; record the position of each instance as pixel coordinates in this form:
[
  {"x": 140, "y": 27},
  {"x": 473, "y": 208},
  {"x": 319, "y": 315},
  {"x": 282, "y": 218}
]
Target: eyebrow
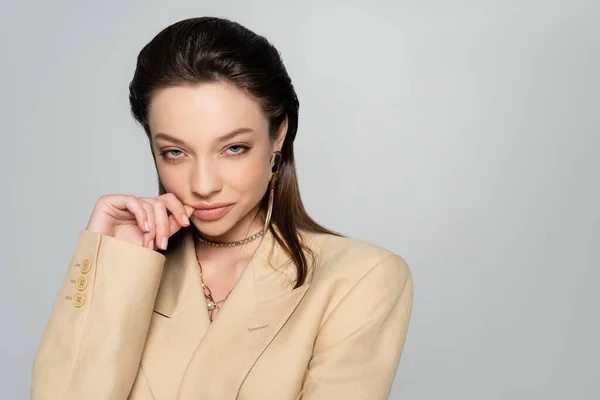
[{"x": 222, "y": 138}]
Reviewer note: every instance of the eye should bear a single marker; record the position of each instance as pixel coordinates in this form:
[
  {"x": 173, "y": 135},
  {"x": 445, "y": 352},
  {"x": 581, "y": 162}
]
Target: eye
[
  {"x": 236, "y": 149},
  {"x": 171, "y": 154}
]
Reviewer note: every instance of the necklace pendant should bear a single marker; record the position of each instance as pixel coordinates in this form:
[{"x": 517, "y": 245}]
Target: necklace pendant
[{"x": 211, "y": 305}]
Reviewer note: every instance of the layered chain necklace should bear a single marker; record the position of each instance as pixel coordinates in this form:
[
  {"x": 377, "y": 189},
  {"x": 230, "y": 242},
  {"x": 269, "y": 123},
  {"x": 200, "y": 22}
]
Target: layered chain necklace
[{"x": 211, "y": 304}]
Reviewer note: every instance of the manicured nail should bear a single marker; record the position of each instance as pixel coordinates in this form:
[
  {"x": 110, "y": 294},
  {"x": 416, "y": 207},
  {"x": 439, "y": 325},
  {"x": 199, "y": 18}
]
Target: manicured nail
[
  {"x": 146, "y": 226},
  {"x": 164, "y": 243},
  {"x": 186, "y": 220}
]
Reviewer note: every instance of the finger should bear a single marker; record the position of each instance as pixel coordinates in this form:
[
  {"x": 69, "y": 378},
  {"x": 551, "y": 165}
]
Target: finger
[
  {"x": 174, "y": 225},
  {"x": 135, "y": 207},
  {"x": 189, "y": 210},
  {"x": 176, "y": 208},
  {"x": 162, "y": 224},
  {"x": 149, "y": 237}
]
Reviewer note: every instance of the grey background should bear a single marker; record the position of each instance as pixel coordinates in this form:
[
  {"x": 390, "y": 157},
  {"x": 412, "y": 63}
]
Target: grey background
[{"x": 463, "y": 135}]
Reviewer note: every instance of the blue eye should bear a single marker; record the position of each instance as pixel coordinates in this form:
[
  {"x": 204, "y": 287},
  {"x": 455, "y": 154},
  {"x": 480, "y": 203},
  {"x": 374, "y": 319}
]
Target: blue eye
[
  {"x": 172, "y": 156},
  {"x": 236, "y": 150}
]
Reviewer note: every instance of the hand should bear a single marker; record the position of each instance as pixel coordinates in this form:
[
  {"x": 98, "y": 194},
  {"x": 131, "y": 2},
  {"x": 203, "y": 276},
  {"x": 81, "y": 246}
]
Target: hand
[{"x": 139, "y": 220}]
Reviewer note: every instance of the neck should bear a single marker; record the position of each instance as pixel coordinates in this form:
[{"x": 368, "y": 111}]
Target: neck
[
  {"x": 226, "y": 257},
  {"x": 231, "y": 257}
]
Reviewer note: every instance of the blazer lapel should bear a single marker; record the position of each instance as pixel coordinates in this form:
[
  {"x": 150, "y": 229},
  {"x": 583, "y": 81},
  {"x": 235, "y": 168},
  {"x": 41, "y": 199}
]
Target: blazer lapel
[
  {"x": 180, "y": 288},
  {"x": 181, "y": 321},
  {"x": 257, "y": 308}
]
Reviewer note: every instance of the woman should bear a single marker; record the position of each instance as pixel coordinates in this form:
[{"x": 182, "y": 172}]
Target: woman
[{"x": 222, "y": 287}]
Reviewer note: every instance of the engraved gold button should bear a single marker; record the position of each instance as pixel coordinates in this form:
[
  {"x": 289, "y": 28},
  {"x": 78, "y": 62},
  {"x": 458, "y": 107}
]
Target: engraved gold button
[
  {"x": 81, "y": 282},
  {"x": 78, "y": 299},
  {"x": 86, "y": 265}
]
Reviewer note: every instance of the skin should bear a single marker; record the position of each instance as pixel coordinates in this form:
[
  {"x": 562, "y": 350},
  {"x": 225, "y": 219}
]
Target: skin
[
  {"x": 202, "y": 164},
  {"x": 212, "y": 145}
]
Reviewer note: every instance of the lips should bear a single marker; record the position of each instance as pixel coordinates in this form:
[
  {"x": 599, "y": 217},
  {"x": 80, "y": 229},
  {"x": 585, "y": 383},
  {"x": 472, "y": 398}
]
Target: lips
[
  {"x": 210, "y": 206},
  {"x": 211, "y": 212}
]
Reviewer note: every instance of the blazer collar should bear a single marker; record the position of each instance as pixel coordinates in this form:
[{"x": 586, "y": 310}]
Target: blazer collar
[
  {"x": 256, "y": 310},
  {"x": 270, "y": 271}
]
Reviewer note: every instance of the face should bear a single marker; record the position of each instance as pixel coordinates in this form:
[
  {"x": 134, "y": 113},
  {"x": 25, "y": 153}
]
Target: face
[{"x": 212, "y": 148}]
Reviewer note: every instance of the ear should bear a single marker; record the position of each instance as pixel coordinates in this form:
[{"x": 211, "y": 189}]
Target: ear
[{"x": 281, "y": 134}]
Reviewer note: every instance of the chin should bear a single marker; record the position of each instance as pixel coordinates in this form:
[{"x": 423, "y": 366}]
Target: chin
[
  {"x": 216, "y": 228},
  {"x": 221, "y": 227},
  {"x": 211, "y": 228}
]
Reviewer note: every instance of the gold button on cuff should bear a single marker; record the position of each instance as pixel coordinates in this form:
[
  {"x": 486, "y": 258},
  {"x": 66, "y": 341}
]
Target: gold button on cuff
[
  {"x": 86, "y": 265},
  {"x": 78, "y": 299},
  {"x": 81, "y": 283}
]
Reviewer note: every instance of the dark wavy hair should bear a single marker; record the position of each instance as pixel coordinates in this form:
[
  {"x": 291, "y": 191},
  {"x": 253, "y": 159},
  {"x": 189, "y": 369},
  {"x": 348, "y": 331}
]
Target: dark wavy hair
[{"x": 208, "y": 49}]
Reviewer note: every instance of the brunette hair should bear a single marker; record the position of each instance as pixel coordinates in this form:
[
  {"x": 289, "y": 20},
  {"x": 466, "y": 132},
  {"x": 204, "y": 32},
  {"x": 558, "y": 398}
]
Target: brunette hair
[{"x": 209, "y": 49}]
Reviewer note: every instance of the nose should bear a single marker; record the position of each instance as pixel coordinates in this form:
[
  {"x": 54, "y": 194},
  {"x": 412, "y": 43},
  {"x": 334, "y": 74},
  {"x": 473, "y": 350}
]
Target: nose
[{"x": 205, "y": 179}]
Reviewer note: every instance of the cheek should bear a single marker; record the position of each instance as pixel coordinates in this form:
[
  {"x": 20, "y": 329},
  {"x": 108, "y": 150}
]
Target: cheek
[
  {"x": 250, "y": 176},
  {"x": 173, "y": 179}
]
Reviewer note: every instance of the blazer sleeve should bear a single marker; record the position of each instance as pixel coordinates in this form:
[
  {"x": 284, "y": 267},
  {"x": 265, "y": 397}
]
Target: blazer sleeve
[
  {"x": 358, "y": 348},
  {"x": 92, "y": 345}
]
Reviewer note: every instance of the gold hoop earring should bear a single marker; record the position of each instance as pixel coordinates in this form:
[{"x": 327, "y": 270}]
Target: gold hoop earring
[{"x": 275, "y": 165}]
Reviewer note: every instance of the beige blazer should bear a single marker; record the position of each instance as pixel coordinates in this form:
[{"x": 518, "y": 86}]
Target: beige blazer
[{"x": 131, "y": 323}]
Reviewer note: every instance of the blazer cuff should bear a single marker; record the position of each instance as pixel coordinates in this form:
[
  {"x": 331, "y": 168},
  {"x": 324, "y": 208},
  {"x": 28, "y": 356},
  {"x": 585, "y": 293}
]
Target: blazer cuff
[{"x": 94, "y": 338}]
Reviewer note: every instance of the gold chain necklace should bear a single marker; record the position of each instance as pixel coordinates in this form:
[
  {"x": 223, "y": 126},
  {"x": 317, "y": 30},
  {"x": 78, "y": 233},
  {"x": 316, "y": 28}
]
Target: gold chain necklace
[
  {"x": 231, "y": 244},
  {"x": 211, "y": 304}
]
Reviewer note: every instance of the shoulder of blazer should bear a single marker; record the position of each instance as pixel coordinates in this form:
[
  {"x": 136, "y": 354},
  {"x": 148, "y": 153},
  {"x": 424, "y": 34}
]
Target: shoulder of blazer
[{"x": 351, "y": 259}]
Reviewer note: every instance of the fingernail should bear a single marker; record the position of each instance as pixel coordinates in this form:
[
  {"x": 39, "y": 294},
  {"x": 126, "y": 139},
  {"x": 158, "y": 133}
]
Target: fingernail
[
  {"x": 186, "y": 220},
  {"x": 164, "y": 243},
  {"x": 146, "y": 226}
]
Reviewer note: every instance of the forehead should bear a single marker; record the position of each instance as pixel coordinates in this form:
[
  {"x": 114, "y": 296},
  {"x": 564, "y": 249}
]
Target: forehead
[{"x": 208, "y": 109}]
